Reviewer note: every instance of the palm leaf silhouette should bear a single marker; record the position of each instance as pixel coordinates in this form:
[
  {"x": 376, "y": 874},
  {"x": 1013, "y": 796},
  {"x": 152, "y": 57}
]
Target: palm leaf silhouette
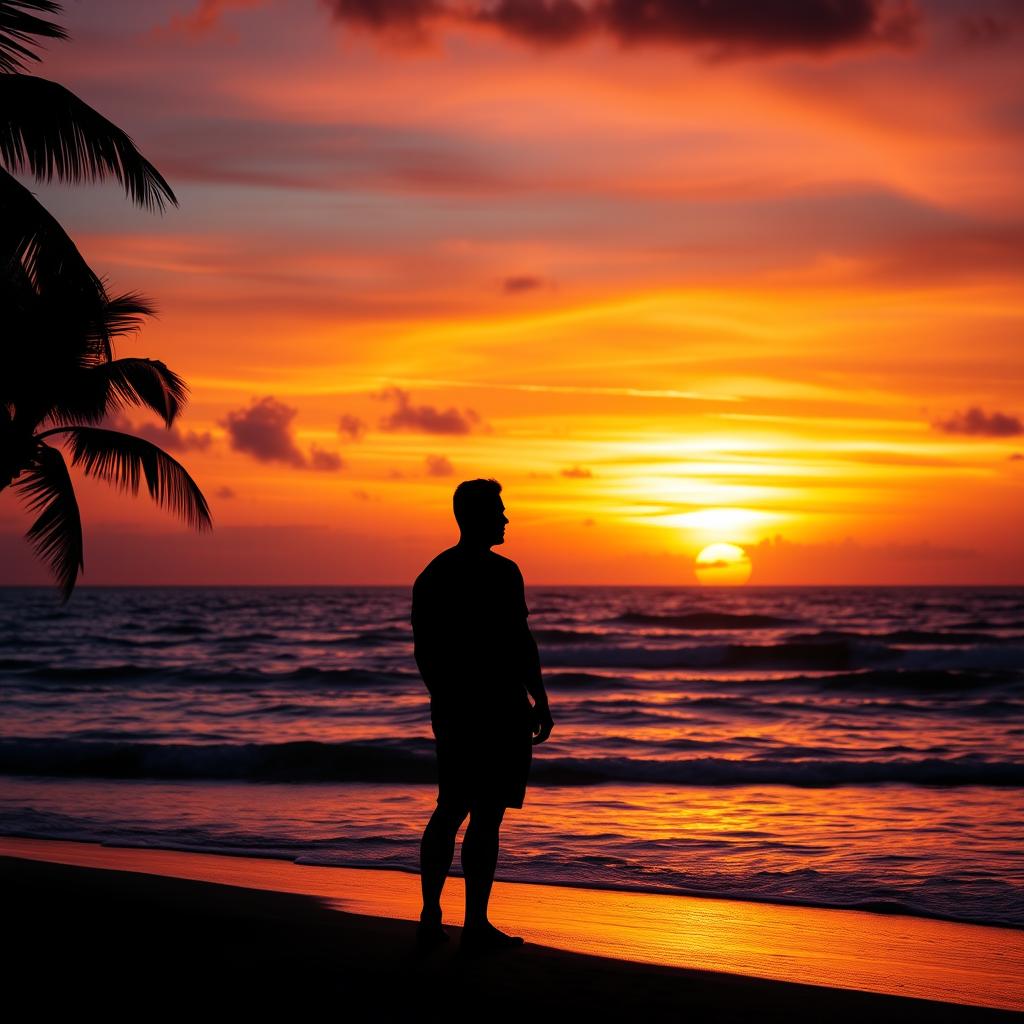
[
  {"x": 116, "y": 317},
  {"x": 18, "y": 26},
  {"x": 56, "y": 535},
  {"x": 47, "y": 130},
  {"x": 123, "y": 459},
  {"x": 106, "y": 388},
  {"x": 33, "y": 244},
  {"x": 124, "y": 314},
  {"x": 59, "y": 368}
]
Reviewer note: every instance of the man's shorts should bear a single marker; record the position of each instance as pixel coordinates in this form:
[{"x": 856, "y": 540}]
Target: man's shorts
[{"x": 486, "y": 761}]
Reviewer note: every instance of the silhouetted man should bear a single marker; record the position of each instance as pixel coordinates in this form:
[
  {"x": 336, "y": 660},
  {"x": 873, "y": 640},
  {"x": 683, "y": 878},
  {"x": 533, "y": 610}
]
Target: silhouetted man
[{"x": 479, "y": 662}]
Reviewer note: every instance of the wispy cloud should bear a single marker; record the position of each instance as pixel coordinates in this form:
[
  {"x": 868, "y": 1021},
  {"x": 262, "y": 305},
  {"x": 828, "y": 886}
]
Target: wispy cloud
[
  {"x": 205, "y": 18},
  {"x": 520, "y": 283},
  {"x": 439, "y": 465},
  {"x": 975, "y": 422},
  {"x": 425, "y": 419},
  {"x": 351, "y": 427},
  {"x": 576, "y": 389},
  {"x": 172, "y": 438}
]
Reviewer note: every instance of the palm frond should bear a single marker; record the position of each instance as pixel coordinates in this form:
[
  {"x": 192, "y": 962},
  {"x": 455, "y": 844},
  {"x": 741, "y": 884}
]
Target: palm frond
[
  {"x": 49, "y": 131},
  {"x": 56, "y": 535},
  {"x": 117, "y": 317},
  {"x": 106, "y": 388},
  {"x": 19, "y": 29},
  {"x": 122, "y": 459},
  {"x": 124, "y": 313},
  {"x": 33, "y": 242}
]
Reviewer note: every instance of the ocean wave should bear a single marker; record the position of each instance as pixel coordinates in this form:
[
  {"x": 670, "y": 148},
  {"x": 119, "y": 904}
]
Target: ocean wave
[
  {"x": 567, "y": 636},
  {"x": 412, "y": 761},
  {"x": 905, "y": 637},
  {"x": 40, "y": 671},
  {"x": 885, "y": 680},
  {"x": 876, "y": 643},
  {"x": 813, "y": 653},
  {"x": 703, "y": 621}
]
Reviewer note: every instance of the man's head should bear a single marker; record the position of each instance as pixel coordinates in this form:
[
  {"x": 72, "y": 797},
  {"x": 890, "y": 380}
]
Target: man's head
[{"x": 480, "y": 512}]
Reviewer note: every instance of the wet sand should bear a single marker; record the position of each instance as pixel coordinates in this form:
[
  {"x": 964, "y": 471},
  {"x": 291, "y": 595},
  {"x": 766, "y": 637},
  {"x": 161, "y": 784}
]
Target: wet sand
[{"x": 131, "y": 930}]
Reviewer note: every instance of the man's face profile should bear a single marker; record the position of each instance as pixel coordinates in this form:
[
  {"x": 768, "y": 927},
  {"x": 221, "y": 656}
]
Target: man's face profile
[
  {"x": 495, "y": 522},
  {"x": 486, "y": 525},
  {"x": 502, "y": 522}
]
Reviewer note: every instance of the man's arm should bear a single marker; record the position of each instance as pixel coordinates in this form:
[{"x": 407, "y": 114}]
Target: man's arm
[
  {"x": 426, "y": 649},
  {"x": 428, "y": 662},
  {"x": 542, "y": 721}
]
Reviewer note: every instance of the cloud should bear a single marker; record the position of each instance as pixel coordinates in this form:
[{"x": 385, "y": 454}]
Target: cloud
[
  {"x": 425, "y": 419},
  {"x": 981, "y": 29},
  {"x": 205, "y": 19},
  {"x": 522, "y": 283},
  {"x": 543, "y": 22},
  {"x": 348, "y": 153},
  {"x": 405, "y": 16},
  {"x": 1017, "y": 457},
  {"x": 577, "y": 473},
  {"x": 753, "y": 26},
  {"x": 975, "y": 422},
  {"x": 438, "y": 465},
  {"x": 726, "y": 27},
  {"x": 264, "y": 431},
  {"x": 324, "y": 461},
  {"x": 225, "y": 492},
  {"x": 173, "y": 438},
  {"x": 351, "y": 427}
]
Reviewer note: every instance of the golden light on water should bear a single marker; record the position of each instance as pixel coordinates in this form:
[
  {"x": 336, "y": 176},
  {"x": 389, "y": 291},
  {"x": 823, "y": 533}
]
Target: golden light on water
[{"x": 722, "y": 565}]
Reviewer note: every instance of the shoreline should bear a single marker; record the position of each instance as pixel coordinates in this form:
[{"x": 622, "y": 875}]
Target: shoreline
[
  {"x": 881, "y": 907},
  {"x": 778, "y": 946}
]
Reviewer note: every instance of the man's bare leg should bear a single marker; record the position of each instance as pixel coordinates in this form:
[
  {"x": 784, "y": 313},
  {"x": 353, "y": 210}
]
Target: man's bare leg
[
  {"x": 437, "y": 851},
  {"x": 479, "y": 862}
]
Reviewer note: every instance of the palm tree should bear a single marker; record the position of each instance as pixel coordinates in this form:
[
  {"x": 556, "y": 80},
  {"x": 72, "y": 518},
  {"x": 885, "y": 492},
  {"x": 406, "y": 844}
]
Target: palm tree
[{"x": 60, "y": 378}]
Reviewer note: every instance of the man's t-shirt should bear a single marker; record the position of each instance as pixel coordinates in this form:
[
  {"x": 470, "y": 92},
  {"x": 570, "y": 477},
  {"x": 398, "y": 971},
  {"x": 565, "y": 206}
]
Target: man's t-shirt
[{"x": 469, "y": 625}]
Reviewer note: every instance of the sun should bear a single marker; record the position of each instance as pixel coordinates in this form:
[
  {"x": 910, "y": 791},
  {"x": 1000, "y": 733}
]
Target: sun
[{"x": 722, "y": 565}]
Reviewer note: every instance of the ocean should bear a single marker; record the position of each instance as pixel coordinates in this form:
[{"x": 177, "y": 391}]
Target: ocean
[{"x": 852, "y": 747}]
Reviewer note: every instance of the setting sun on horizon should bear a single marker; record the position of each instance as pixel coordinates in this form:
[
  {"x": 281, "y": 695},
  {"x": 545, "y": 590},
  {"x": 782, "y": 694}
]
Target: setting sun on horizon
[{"x": 722, "y": 565}]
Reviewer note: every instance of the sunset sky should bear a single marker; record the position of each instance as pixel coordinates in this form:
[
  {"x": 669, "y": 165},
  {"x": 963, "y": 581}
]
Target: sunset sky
[{"x": 706, "y": 274}]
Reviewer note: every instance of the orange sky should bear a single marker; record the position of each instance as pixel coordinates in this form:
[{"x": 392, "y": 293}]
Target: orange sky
[{"x": 701, "y": 279}]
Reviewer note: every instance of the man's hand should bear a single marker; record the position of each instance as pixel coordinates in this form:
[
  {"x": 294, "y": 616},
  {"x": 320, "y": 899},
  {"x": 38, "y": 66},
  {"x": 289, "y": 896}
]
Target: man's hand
[{"x": 542, "y": 723}]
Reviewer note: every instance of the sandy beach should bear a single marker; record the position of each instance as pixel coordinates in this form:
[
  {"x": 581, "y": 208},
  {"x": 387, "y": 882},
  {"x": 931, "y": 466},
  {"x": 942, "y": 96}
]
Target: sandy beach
[{"x": 117, "y": 929}]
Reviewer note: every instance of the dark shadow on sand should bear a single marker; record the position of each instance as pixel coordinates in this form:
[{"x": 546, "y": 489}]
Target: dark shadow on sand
[{"x": 125, "y": 943}]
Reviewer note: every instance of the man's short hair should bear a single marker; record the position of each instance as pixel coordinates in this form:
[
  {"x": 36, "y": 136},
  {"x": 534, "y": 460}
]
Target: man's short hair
[{"x": 473, "y": 498}]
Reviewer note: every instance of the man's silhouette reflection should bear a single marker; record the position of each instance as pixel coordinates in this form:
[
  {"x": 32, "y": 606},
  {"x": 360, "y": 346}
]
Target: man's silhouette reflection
[{"x": 479, "y": 662}]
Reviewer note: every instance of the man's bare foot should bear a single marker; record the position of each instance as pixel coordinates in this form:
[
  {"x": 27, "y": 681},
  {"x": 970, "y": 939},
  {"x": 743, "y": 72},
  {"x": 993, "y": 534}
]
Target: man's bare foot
[
  {"x": 487, "y": 939},
  {"x": 429, "y": 933}
]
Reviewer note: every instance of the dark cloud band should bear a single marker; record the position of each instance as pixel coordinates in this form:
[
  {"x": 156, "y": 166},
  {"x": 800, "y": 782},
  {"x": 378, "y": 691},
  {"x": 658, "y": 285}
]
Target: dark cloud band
[{"x": 728, "y": 26}]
